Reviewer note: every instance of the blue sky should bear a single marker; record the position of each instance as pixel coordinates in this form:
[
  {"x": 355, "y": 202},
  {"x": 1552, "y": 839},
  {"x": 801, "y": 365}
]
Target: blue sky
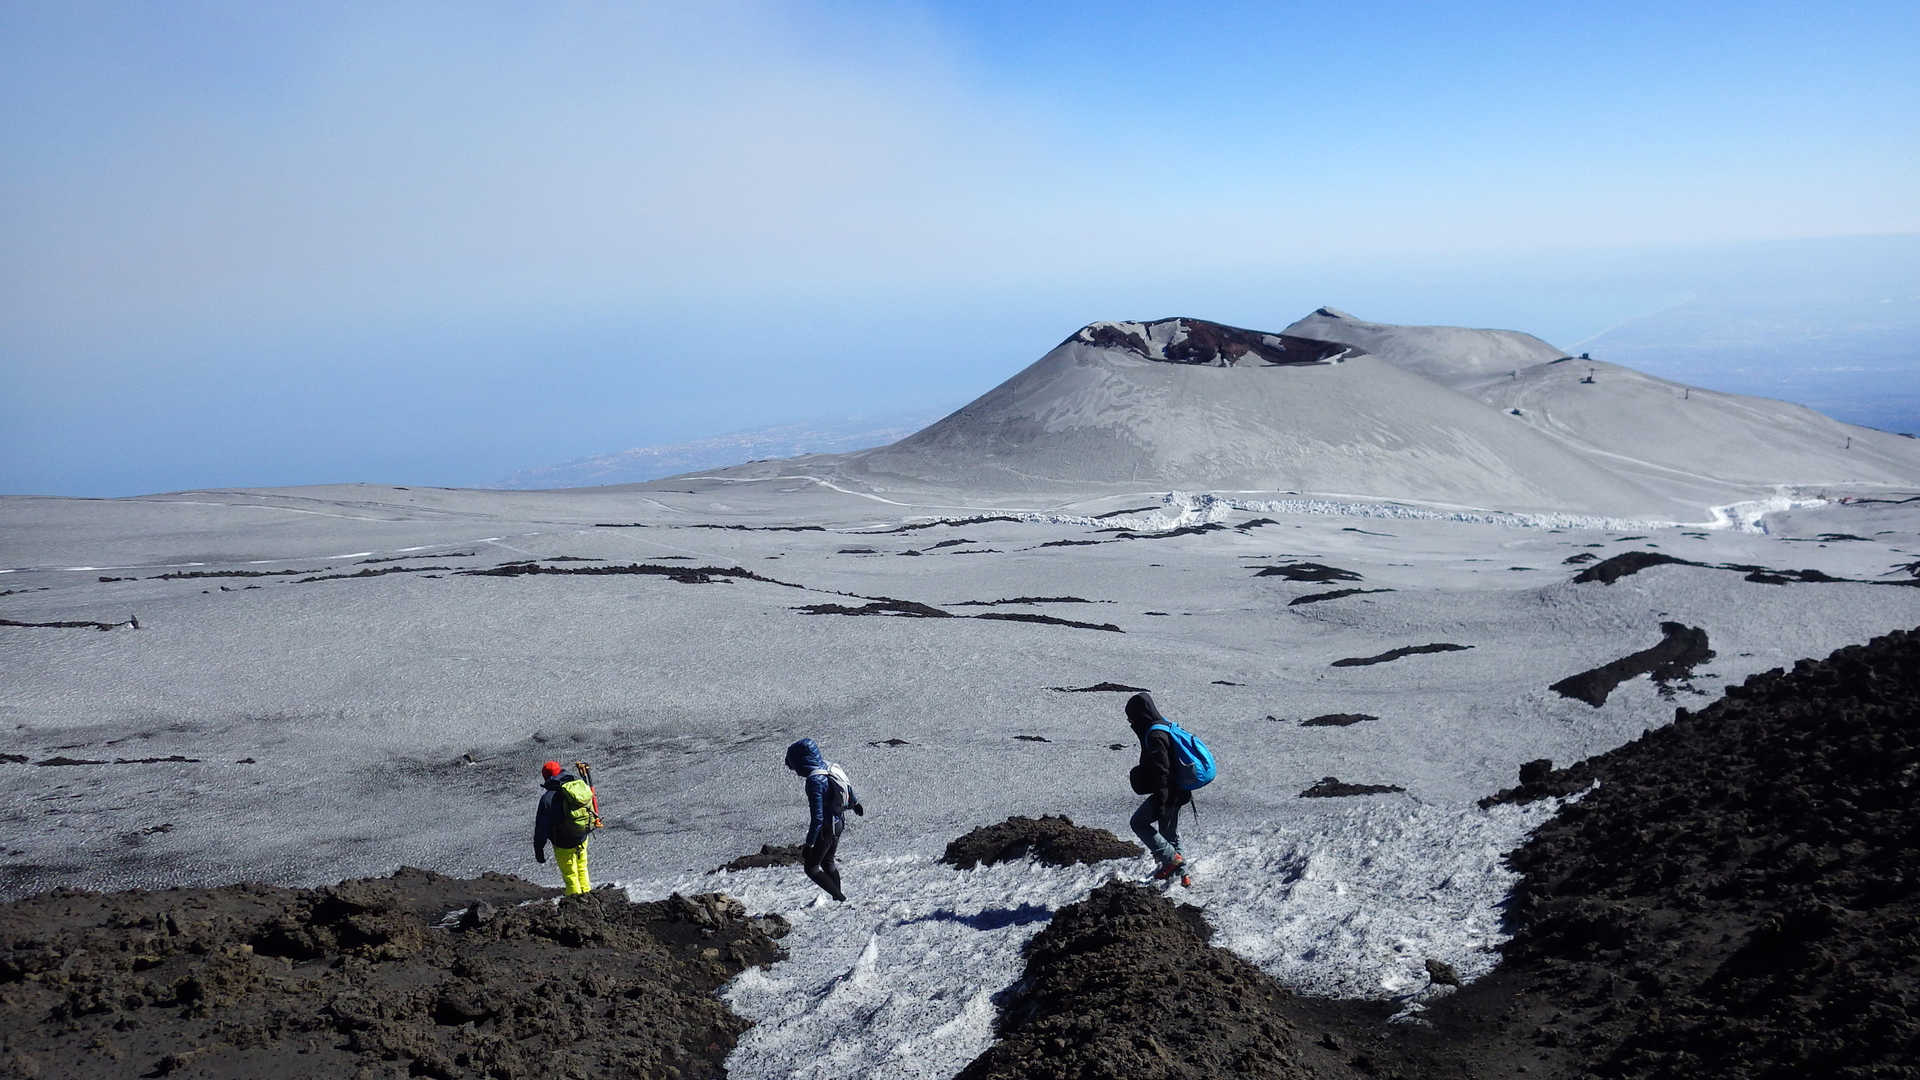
[{"x": 273, "y": 244}]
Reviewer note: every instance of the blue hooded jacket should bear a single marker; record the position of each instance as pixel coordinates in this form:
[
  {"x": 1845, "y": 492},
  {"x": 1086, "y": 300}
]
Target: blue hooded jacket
[{"x": 824, "y": 799}]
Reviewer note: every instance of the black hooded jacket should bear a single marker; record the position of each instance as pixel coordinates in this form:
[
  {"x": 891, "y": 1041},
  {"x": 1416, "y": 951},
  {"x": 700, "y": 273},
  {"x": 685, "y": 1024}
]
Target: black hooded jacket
[
  {"x": 551, "y": 825},
  {"x": 1154, "y": 774}
]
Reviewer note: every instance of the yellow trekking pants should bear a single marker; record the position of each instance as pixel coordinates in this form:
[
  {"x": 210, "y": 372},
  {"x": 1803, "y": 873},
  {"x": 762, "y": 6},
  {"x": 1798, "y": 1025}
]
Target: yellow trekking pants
[{"x": 573, "y": 867}]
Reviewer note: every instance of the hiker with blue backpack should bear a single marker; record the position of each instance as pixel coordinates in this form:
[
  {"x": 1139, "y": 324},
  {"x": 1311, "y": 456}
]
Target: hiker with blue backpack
[
  {"x": 829, "y": 795},
  {"x": 1173, "y": 762}
]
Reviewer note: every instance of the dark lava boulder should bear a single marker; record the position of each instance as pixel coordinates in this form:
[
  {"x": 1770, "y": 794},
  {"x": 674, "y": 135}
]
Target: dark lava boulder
[
  {"x": 1627, "y": 563},
  {"x": 768, "y": 855},
  {"x": 1050, "y": 839},
  {"x": 369, "y": 978},
  {"x": 1540, "y": 780},
  {"x": 1332, "y": 787},
  {"x": 1124, "y": 985},
  {"x": 1681, "y": 648}
]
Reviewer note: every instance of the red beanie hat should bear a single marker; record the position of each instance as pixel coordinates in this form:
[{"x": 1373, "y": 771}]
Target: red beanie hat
[{"x": 550, "y": 770}]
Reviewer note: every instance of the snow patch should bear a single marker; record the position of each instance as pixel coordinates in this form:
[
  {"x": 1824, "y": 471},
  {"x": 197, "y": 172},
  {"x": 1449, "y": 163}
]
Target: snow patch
[
  {"x": 1354, "y": 905},
  {"x": 899, "y": 981},
  {"x": 1750, "y": 516},
  {"x": 1186, "y": 509}
]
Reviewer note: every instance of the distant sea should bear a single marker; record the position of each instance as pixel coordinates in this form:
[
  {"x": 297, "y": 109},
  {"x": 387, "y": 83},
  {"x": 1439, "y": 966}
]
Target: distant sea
[
  {"x": 1855, "y": 359},
  {"x": 834, "y": 435}
]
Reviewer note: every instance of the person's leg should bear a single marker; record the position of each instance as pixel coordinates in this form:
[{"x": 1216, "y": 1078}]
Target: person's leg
[
  {"x": 825, "y": 881},
  {"x": 1146, "y": 825},
  {"x": 1169, "y": 825},
  {"x": 573, "y": 868},
  {"x": 828, "y": 865},
  {"x": 819, "y": 863}
]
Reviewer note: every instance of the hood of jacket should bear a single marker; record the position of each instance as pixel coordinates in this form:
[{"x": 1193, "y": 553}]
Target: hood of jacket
[
  {"x": 554, "y": 783},
  {"x": 804, "y": 757},
  {"x": 1142, "y": 713}
]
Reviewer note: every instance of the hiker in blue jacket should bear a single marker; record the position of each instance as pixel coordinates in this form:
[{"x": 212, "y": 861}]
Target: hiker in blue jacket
[
  {"x": 829, "y": 795},
  {"x": 1157, "y": 822}
]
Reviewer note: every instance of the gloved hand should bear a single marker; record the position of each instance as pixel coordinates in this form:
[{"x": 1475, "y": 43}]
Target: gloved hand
[
  {"x": 540, "y": 854},
  {"x": 858, "y": 809}
]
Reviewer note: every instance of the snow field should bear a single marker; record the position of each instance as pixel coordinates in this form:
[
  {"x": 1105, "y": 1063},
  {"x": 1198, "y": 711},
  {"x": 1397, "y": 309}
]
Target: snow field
[
  {"x": 1185, "y": 510},
  {"x": 899, "y": 982}
]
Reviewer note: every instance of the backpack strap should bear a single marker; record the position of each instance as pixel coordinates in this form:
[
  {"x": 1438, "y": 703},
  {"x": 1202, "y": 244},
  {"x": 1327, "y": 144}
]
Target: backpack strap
[{"x": 836, "y": 775}]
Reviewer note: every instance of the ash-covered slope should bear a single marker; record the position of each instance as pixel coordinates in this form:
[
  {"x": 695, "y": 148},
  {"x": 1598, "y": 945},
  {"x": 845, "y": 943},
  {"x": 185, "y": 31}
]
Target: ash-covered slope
[
  {"x": 1189, "y": 404},
  {"x": 1684, "y": 439},
  {"x": 1453, "y": 356},
  {"x": 1683, "y": 442}
]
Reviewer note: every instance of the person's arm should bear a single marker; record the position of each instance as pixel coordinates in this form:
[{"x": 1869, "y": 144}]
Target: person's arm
[
  {"x": 1141, "y": 777},
  {"x": 543, "y": 826},
  {"x": 817, "y": 807},
  {"x": 1157, "y": 755}
]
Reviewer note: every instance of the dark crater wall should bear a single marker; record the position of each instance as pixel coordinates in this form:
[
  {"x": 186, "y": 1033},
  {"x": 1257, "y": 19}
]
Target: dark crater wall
[{"x": 1216, "y": 344}]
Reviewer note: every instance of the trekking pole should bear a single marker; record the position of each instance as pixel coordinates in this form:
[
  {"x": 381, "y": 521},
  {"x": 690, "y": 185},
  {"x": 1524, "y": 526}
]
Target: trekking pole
[{"x": 586, "y": 773}]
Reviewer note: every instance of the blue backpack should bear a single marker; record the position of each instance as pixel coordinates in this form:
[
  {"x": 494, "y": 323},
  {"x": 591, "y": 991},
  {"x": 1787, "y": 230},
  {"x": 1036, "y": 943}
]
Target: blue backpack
[{"x": 1193, "y": 762}]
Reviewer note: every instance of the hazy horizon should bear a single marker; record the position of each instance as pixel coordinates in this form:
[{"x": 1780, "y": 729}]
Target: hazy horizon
[
  {"x": 257, "y": 246},
  {"x": 1697, "y": 326}
]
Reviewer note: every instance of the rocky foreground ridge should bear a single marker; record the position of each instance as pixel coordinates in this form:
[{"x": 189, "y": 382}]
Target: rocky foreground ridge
[{"x": 362, "y": 979}]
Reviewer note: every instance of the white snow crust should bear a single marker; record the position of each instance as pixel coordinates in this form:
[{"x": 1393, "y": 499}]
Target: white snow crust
[{"x": 900, "y": 981}]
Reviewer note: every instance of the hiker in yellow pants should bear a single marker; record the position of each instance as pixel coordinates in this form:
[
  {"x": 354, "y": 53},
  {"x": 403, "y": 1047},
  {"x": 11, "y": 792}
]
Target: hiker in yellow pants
[
  {"x": 573, "y": 867},
  {"x": 566, "y": 819}
]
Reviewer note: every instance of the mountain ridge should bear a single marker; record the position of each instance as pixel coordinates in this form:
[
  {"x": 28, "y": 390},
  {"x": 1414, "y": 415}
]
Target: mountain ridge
[
  {"x": 1332, "y": 405},
  {"x": 1488, "y": 419}
]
